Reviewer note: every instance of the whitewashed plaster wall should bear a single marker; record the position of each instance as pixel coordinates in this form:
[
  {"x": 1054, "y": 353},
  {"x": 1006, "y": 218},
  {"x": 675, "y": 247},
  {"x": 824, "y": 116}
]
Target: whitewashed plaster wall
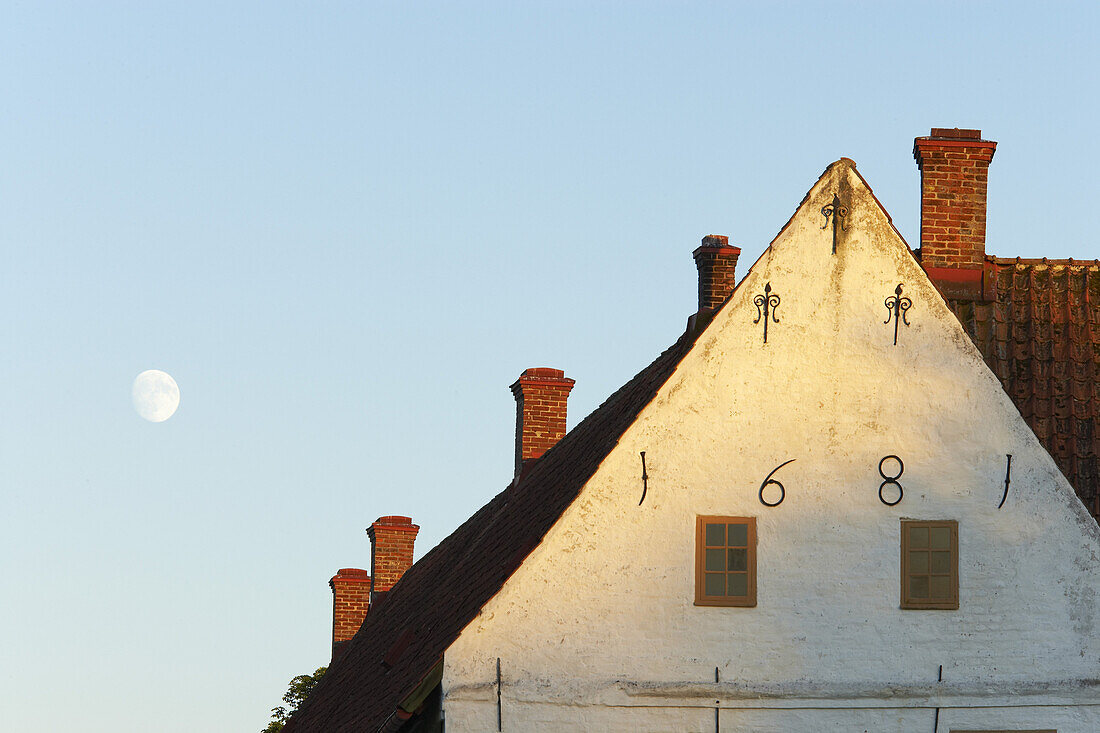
[{"x": 598, "y": 630}]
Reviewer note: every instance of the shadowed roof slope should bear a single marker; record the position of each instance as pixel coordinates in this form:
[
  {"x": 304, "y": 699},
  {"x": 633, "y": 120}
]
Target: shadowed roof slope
[
  {"x": 424, "y": 613},
  {"x": 1038, "y": 327}
]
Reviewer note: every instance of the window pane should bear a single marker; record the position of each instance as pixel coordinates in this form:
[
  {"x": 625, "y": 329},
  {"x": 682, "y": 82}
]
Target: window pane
[
  {"x": 940, "y": 587},
  {"x": 918, "y": 586},
  {"x": 918, "y": 537},
  {"x": 941, "y": 562},
  {"x": 918, "y": 562},
  {"x": 941, "y": 538},
  {"x": 715, "y": 560},
  {"x": 738, "y": 584},
  {"x": 716, "y": 535},
  {"x": 738, "y": 559},
  {"x": 739, "y": 535}
]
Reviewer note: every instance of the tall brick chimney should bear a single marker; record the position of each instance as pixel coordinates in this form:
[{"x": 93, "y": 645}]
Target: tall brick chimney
[
  {"x": 954, "y": 166},
  {"x": 716, "y": 261},
  {"x": 350, "y": 603},
  {"x": 541, "y": 395},
  {"x": 391, "y": 542}
]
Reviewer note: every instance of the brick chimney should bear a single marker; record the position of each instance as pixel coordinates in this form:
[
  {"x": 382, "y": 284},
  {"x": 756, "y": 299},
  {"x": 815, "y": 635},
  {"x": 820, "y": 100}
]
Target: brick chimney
[
  {"x": 954, "y": 166},
  {"x": 541, "y": 395},
  {"x": 716, "y": 261},
  {"x": 391, "y": 542},
  {"x": 350, "y": 602}
]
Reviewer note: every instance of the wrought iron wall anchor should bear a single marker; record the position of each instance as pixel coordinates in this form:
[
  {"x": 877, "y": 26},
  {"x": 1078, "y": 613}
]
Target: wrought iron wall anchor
[
  {"x": 645, "y": 480},
  {"x": 717, "y": 719},
  {"x": 896, "y": 306},
  {"x": 500, "y": 716},
  {"x": 1008, "y": 478},
  {"x": 769, "y": 301},
  {"x": 890, "y": 480},
  {"x": 769, "y": 480},
  {"x": 837, "y": 211},
  {"x": 936, "y": 722}
]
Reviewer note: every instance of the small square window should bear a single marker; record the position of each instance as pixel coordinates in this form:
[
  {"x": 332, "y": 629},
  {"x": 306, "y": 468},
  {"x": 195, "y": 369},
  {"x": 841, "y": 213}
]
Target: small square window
[
  {"x": 930, "y": 564},
  {"x": 725, "y": 561}
]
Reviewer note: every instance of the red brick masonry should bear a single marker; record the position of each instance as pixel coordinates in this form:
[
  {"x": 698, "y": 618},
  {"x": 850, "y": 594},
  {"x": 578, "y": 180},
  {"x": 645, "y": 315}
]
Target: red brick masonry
[
  {"x": 350, "y": 603},
  {"x": 541, "y": 396},
  {"x": 954, "y": 166},
  {"x": 716, "y": 261},
  {"x": 392, "y": 541}
]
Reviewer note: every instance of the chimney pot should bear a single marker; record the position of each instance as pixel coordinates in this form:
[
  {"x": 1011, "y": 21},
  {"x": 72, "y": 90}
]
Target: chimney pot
[
  {"x": 541, "y": 397},
  {"x": 956, "y": 133}
]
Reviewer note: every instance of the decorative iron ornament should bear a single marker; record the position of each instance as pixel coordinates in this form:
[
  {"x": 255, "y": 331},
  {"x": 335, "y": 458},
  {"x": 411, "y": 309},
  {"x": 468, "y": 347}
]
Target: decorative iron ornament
[
  {"x": 890, "y": 480},
  {"x": 645, "y": 480},
  {"x": 500, "y": 716},
  {"x": 896, "y": 306},
  {"x": 837, "y": 211},
  {"x": 769, "y": 480},
  {"x": 1008, "y": 478},
  {"x": 769, "y": 301}
]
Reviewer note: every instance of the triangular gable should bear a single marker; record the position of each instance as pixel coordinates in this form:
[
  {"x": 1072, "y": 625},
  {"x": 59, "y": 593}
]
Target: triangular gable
[
  {"x": 447, "y": 589},
  {"x": 608, "y": 595}
]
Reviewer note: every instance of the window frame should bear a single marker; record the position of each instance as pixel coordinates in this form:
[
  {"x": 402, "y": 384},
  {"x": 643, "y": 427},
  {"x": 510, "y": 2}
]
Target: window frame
[
  {"x": 907, "y": 601},
  {"x": 701, "y": 598}
]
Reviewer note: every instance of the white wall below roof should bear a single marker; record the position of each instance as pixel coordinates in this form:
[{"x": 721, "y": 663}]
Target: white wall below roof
[
  {"x": 543, "y": 716},
  {"x": 598, "y": 630}
]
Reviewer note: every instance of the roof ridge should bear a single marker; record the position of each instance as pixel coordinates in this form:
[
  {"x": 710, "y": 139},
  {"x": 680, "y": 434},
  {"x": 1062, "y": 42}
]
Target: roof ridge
[{"x": 1052, "y": 262}]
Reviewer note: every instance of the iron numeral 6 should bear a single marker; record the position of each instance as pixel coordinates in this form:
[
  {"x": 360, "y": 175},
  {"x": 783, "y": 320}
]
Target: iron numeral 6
[{"x": 769, "y": 480}]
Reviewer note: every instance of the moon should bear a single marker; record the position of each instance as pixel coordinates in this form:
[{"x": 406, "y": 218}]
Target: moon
[{"x": 156, "y": 395}]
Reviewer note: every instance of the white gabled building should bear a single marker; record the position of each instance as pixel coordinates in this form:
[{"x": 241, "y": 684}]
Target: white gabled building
[{"x": 847, "y": 527}]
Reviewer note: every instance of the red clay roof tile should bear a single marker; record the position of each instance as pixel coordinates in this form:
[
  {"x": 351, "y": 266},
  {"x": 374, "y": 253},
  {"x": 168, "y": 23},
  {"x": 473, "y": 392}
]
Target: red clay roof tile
[{"x": 1038, "y": 328}]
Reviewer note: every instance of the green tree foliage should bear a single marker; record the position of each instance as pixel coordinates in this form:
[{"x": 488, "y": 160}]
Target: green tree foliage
[{"x": 299, "y": 690}]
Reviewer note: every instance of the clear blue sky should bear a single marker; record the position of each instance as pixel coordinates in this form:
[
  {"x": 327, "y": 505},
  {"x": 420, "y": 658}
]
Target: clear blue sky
[{"x": 346, "y": 228}]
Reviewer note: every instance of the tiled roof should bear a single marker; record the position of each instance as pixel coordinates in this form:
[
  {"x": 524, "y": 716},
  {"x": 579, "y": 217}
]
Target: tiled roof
[
  {"x": 406, "y": 633},
  {"x": 1038, "y": 326}
]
